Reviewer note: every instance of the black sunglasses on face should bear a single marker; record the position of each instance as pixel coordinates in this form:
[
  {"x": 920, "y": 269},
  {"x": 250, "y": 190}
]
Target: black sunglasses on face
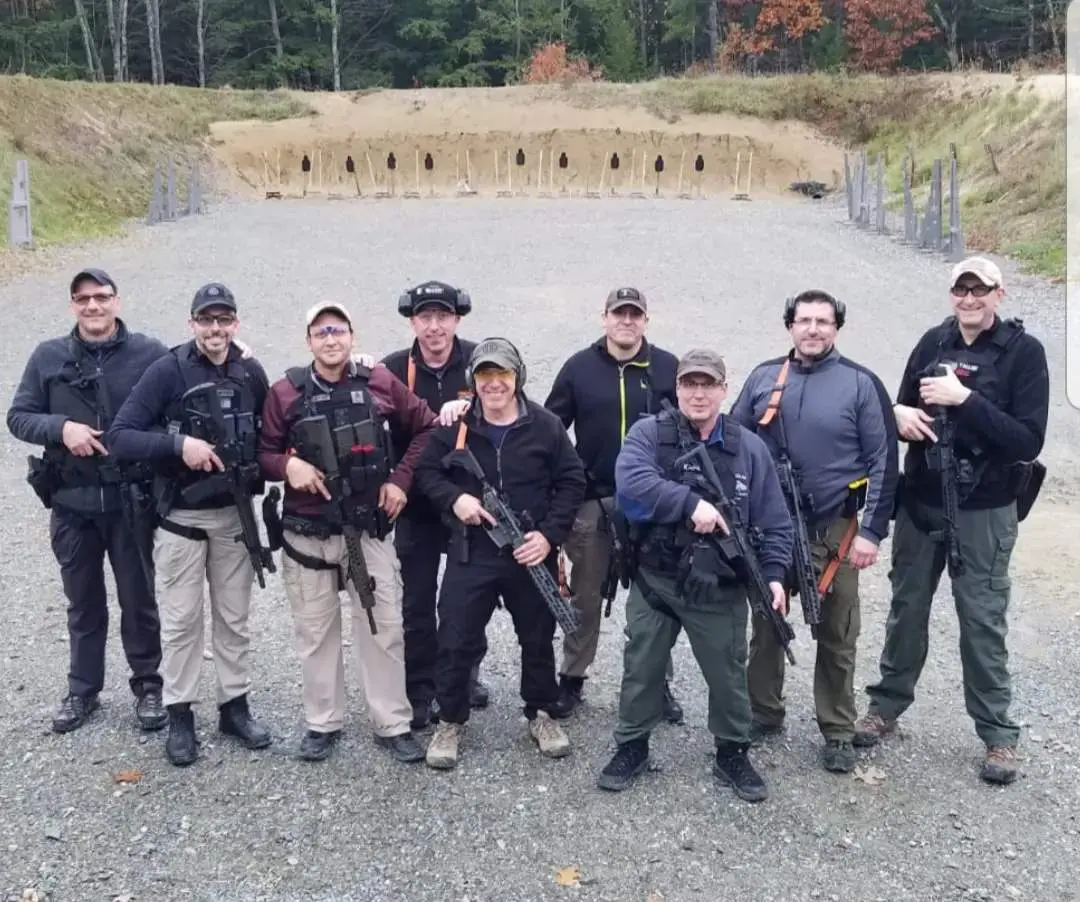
[{"x": 979, "y": 291}]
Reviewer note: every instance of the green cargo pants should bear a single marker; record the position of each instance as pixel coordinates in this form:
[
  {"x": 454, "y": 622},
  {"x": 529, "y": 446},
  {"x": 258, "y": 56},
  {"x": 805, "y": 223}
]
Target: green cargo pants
[
  {"x": 717, "y": 635},
  {"x": 834, "y": 668},
  {"x": 981, "y": 595}
]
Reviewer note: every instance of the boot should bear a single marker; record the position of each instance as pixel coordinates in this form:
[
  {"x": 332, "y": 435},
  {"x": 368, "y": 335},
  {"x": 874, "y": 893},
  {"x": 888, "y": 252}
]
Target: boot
[
  {"x": 442, "y": 751},
  {"x": 75, "y": 710},
  {"x": 181, "y": 745},
  {"x": 630, "y": 760},
  {"x": 149, "y": 711},
  {"x": 733, "y": 768},
  {"x": 570, "y": 696},
  {"x": 235, "y": 720}
]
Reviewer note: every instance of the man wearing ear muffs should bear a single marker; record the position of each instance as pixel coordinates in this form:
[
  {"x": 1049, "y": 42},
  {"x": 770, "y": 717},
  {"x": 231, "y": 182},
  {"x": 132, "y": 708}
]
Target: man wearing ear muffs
[
  {"x": 832, "y": 420},
  {"x": 525, "y": 453}
]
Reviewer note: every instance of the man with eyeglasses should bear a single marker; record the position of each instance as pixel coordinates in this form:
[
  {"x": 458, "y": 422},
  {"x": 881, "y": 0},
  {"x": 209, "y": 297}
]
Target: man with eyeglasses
[
  {"x": 982, "y": 381},
  {"x": 204, "y": 384},
  {"x": 433, "y": 368},
  {"x": 831, "y": 419},
  {"x": 69, "y": 391},
  {"x": 326, "y": 434},
  {"x": 525, "y": 453},
  {"x": 601, "y": 391},
  {"x": 685, "y": 581}
]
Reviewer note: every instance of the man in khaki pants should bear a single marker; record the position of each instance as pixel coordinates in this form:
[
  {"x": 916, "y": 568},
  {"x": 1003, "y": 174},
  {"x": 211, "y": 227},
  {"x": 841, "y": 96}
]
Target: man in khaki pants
[
  {"x": 326, "y": 433},
  {"x": 199, "y": 522}
]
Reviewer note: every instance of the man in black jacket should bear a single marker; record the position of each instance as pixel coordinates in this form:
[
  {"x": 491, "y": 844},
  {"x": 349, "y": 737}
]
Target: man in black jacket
[
  {"x": 526, "y": 455},
  {"x": 602, "y": 391},
  {"x": 162, "y": 423},
  {"x": 973, "y": 407},
  {"x": 434, "y": 369},
  {"x": 70, "y": 390}
]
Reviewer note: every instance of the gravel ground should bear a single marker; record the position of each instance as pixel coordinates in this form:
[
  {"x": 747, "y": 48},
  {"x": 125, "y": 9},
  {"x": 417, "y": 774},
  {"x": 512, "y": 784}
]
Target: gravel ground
[{"x": 247, "y": 826}]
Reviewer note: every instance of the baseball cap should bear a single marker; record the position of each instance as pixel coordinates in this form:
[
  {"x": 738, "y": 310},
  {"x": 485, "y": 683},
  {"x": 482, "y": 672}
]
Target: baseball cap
[
  {"x": 986, "y": 271},
  {"x": 707, "y": 363},
  {"x": 213, "y": 294},
  {"x": 626, "y": 297},
  {"x": 327, "y": 307},
  {"x": 496, "y": 351},
  {"x": 97, "y": 275},
  {"x": 438, "y": 294}
]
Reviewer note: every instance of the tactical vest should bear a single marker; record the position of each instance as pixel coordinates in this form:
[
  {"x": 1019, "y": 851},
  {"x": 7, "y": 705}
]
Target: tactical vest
[
  {"x": 660, "y": 545},
  {"x": 346, "y": 405},
  {"x": 240, "y": 424}
]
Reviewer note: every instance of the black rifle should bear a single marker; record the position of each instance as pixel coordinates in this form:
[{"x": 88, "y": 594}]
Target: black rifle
[
  {"x": 234, "y": 439},
  {"x": 507, "y": 531},
  {"x": 737, "y": 546},
  {"x": 620, "y": 568},
  {"x": 942, "y": 455},
  {"x": 324, "y": 448}
]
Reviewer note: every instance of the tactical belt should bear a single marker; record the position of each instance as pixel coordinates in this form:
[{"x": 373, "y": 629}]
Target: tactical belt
[
  {"x": 311, "y": 529},
  {"x": 187, "y": 532}
]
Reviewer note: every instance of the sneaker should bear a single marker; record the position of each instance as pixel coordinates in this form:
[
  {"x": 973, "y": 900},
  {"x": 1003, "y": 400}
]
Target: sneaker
[
  {"x": 999, "y": 766},
  {"x": 75, "y": 710},
  {"x": 629, "y": 761},
  {"x": 549, "y": 736},
  {"x": 839, "y": 756},
  {"x": 870, "y": 728},
  {"x": 442, "y": 751},
  {"x": 733, "y": 768},
  {"x": 403, "y": 747},
  {"x": 149, "y": 711}
]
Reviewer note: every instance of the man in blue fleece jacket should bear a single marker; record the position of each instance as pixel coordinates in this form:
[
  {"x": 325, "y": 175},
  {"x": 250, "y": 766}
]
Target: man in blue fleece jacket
[{"x": 683, "y": 582}]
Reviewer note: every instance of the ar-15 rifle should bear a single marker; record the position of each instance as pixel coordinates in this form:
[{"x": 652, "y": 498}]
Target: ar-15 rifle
[
  {"x": 942, "y": 455},
  {"x": 508, "y": 531},
  {"x": 737, "y": 546},
  {"x": 620, "y": 566},
  {"x": 234, "y": 441},
  {"x": 324, "y": 448}
]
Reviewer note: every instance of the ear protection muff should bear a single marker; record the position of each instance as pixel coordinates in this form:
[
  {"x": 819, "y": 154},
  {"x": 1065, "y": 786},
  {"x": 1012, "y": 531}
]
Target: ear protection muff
[
  {"x": 408, "y": 301},
  {"x": 839, "y": 308},
  {"x": 519, "y": 363}
]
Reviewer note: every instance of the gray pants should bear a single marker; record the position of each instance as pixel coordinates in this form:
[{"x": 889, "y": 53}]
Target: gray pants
[
  {"x": 981, "y": 594},
  {"x": 717, "y": 634}
]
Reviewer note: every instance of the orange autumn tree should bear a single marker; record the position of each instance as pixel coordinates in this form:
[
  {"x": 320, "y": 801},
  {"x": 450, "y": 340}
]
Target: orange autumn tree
[
  {"x": 787, "y": 20},
  {"x": 550, "y": 63},
  {"x": 879, "y": 31}
]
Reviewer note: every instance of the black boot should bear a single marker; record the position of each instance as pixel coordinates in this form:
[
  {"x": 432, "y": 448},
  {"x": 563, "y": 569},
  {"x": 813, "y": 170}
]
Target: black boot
[
  {"x": 673, "y": 712},
  {"x": 149, "y": 711},
  {"x": 570, "y": 695},
  {"x": 236, "y": 720},
  {"x": 630, "y": 759},
  {"x": 181, "y": 745},
  {"x": 733, "y": 768},
  {"x": 75, "y": 710},
  {"x": 317, "y": 746}
]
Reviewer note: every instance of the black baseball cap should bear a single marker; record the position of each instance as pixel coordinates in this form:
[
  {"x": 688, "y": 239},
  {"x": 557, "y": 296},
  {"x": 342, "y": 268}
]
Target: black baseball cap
[
  {"x": 96, "y": 275},
  {"x": 437, "y": 294},
  {"x": 213, "y": 294}
]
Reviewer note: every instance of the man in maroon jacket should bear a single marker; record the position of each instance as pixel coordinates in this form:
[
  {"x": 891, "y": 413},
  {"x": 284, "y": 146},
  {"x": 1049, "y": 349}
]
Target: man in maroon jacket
[{"x": 326, "y": 434}]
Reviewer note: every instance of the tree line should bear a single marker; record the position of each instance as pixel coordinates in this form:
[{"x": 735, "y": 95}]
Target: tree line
[{"x": 356, "y": 44}]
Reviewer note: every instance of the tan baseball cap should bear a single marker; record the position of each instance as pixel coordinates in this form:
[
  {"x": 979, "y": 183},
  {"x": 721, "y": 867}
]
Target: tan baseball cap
[
  {"x": 986, "y": 271},
  {"x": 702, "y": 361},
  {"x": 327, "y": 307},
  {"x": 626, "y": 297}
]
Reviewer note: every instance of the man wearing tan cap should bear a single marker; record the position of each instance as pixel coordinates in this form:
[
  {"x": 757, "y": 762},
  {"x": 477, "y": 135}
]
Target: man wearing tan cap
[
  {"x": 326, "y": 434},
  {"x": 684, "y": 581},
  {"x": 973, "y": 405},
  {"x": 601, "y": 391}
]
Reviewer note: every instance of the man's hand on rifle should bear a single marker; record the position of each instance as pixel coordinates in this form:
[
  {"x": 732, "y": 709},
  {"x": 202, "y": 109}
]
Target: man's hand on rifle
[
  {"x": 304, "y": 477},
  {"x": 533, "y": 550},
  {"x": 779, "y": 597},
  {"x": 945, "y": 391},
  {"x": 706, "y": 518},
  {"x": 81, "y": 440},
  {"x": 470, "y": 511},
  {"x": 200, "y": 455},
  {"x": 392, "y": 499},
  {"x": 913, "y": 423},
  {"x": 863, "y": 553}
]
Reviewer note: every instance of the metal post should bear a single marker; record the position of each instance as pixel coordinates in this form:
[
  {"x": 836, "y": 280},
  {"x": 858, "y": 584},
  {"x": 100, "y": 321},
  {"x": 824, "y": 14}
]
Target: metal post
[
  {"x": 194, "y": 196},
  {"x": 849, "y": 188},
  {"x": 157, "y": 201},
  {"x": 956, "y": 236},
  {"x": 909, "y": 207},
  {"x": 937, "y": 236},
  {"x": 20, "y": 233},
  {"x": 170, "y": 190},
  {"x": 864, "y": 192},
  {"x": 881, "y": 193}
]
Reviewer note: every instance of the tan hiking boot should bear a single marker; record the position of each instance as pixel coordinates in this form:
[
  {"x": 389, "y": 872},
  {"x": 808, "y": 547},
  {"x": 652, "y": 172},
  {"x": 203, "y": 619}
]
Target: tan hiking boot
[
  {"x": 999, "y": 766},
  {"x": 870, "y": 728},
  {"x": 442, "y": 751},
  {"x": 549, "y": 736}
]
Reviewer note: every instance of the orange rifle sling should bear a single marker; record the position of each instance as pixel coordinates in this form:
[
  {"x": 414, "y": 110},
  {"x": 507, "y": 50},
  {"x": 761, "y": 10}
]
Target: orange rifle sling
[
  {"x": 834, "y": 561},
  {"x": 411, "y": 373},
  {"x": 774, "y": 399}
]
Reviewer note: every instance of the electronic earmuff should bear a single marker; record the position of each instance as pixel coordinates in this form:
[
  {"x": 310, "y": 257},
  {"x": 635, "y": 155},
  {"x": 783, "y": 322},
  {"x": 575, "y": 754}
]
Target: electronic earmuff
[
  {"x": 415, "y": 297},
  {"x": 505, "y": 345}
]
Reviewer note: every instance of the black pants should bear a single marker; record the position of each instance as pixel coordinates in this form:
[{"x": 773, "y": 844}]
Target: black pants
[
  {"x": 466, "y": 602},
  {"x": 80, "y": 544},
  {"x": 419, "y": 544}
]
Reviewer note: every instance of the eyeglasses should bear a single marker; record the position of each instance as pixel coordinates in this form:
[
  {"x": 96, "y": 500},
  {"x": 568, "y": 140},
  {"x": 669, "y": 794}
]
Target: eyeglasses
[
  {"x": 327, "y": 331},
  {"x": 206, "y": 320},
  {"x": 978, "y": 291},
  {"x": 491, "y": 373},
  {"x": 692, "y": 385},
  {"x": 805, "y": 322},
  {"x": 98, "y": 297}
]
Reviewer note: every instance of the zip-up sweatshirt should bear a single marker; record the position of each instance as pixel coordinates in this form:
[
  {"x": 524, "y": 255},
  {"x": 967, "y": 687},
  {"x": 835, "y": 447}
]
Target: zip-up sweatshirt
[
  {"x": 602, "y": 397},
  {"x": 839, "y": 427}
]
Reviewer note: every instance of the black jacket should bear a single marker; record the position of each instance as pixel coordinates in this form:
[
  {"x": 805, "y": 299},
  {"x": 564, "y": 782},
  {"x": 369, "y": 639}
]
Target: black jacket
[
  {"x": 33, "y": 416},
  {"x": 535, "y": 468},
  {"x": 603, "y": 397}
]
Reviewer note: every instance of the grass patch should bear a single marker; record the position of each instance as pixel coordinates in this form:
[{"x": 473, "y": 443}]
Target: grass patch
[
  {"x": 92, "y": 148},
  {"x": 1013, "y": 194}
]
